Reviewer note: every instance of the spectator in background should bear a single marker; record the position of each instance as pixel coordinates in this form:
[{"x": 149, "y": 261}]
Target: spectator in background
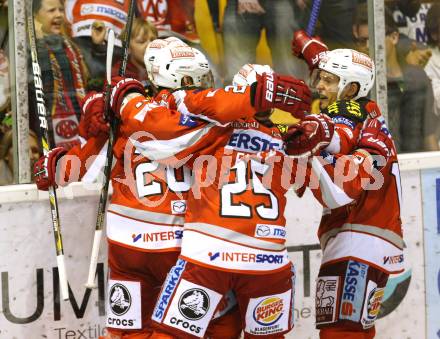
[
  {"x": 410, "y": 16},
  {"x": 244, "y": 21},
  {"x": 7, "y": 156},
  {"x": 432, "y": 68},
  {"x": 5, "y": 98},
  {"x": 94, "y": 51},
  {"x": 411, "y": 117},
  {"x": 182, "y": 21},
  {"x": 171, "y": 18},
  {"x": 81, "y": 15},
  {"x": 89, "y": 21},
  {"x": 64, "y": 74},
  {"x": 176, "y": 19},
  {"x": 4, "y": 25},
  {"x": 5, "y": 87},
  {"x": 155, "y": 12},
  {"x": 142, "y": 33},
  {"x": 335, "y": 22}
]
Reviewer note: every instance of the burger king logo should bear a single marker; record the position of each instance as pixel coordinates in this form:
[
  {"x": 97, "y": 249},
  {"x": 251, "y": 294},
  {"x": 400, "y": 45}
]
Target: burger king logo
[
  {"x": 269, "y": 311},
  {"x": 374, "y": 302}
]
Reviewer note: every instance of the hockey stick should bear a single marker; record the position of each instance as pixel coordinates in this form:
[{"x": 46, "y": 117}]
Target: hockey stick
[
  {"x": 45, "y": 122},
  {"x": 99, "y": 222},
  {"x": 313, "y": 17},
  {"x": 109, "y": 157},
  {"x": 126, "y": 39}
]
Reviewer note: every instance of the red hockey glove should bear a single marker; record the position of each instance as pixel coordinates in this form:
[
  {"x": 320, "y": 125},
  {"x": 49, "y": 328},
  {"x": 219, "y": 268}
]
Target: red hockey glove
[
  {"x": 92, "y": 123},
  {"x": 307, "y": 48},
  {"x": 283, "y": 92},
  {"x": 376, "y": 139},
  {"x": 370, "y": 106},
  {"x": 310, "y": 136},
  {"x": 45, "y": 168},
  {"x": 120, "y": 88}
]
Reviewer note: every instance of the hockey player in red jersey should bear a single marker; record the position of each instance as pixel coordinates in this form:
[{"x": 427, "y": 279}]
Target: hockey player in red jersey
[
  {"x": 167, "y": 66},
  {"x": 343, "y": 79},
  {"x": 178, "y": 66},
  {"x": 234, "y": 226},
  {"x": 360, "y": 231},
  {"x": 144, "y": 230},
  {"x": 144, "y": 218},
  {"x": 140, "y": 250}
]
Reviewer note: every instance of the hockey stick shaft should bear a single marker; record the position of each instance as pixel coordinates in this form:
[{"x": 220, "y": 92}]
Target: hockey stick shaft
[
  {"x": 313, "y": 17},
  {"x": 111, "y": 140},
  {"x": 44, "y": 120},
  {"x": 100, "y": 220},
  {"x": 126, "y": 39}
]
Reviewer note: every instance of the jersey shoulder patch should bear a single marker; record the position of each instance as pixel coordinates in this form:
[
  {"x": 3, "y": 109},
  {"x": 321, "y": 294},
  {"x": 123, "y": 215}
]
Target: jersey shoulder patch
[{"x": 350, "y": 109}]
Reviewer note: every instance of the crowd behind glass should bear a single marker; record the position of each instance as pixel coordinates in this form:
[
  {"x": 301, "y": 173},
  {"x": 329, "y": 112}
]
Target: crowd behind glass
[{"x": 71, "y": 42}]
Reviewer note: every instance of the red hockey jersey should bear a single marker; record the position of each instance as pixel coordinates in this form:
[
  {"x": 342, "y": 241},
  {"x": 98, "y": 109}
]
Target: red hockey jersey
[
  {"x": 149, "y": 199},
  {"x": 235, "y": 218},
  {"x": 361, "y": 217}
]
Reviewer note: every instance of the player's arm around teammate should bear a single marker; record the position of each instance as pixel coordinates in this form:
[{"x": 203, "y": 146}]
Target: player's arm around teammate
[
  {"x": 140, "y": 115},
  {"x": 350, "y": 176},
  {"x": 61, "y": 167}
]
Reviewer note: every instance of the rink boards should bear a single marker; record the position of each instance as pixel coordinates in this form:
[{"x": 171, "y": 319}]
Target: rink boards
[{"x": 31, "y": 306}]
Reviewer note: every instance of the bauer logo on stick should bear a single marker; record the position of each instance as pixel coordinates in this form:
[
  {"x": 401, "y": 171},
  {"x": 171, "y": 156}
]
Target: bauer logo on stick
[{"x": 39, "y": 95}]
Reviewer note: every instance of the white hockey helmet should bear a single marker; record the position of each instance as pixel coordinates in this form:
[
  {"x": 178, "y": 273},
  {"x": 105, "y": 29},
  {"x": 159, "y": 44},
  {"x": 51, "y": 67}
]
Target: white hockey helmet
[
  {"x": 167, "y": 66},
  {"x": 247, "y": 74},
  {"x": 150, "y": 53},
  {"x": 155, "y": 46},
  {"x": 175, "y": 42},
  {"x": 350, "y": 66}
]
